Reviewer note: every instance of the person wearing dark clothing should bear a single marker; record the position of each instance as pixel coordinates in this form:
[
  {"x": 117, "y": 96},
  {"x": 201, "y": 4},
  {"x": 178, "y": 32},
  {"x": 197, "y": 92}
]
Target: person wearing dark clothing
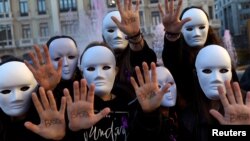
[
  {"x": 14, "y": 130},
  {"x": 169, "y": 127},
  {"x": 185, "y": 34},
  {"x": 56, "y": 68},
  {"x": 127, "y": 41},
  {"x": 115, "y": 119},
  {"x": 245, "y": 80},
  {"x": 17, "y": 84}
]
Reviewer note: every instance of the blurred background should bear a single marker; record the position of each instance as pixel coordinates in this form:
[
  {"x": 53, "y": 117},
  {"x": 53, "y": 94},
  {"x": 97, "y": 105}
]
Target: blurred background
[{"x": 24, "y": 23}]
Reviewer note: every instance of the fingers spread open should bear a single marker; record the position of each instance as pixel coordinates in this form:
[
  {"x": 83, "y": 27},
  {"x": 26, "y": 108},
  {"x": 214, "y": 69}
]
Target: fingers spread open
[
  {"x": 230, "y": 93},
  {"x": 160, "y": 9},
  {"x": 116, "y": 21},
  {"x": 237, "y": 93},
  {"x": 32, "y": 127},
  {"x": 104, "y": 112},
  {"x": 171, "y": 7},
  {"x": 30, "y": 67},
  {"x": 52, "y": 101},
  {"x": 63, "y": 105},
  {"x": 119, "y": 7},
  {"x": 125, "y": 5},
  {"x": 153, "y": 73},
  {"x": 178, "y": 9},
  {"x": 46, "y": 53},
  {"x": 91, "y": 93},
  {"x": 166, "y": 6},
  {"x": 34, "y": 60},
  {"x": 134, "y": 83},
  {"x": 129, "y": 4},
  {"x": 68, "y": 97},
  {"x": 217, "y": 115},
  {"x": 37, "y": 103},
  {"x": 223, "y": 97},
  {"x": 39, "y": 54},
  {"x": 76, "y": 91},
  {"x": 44, "y": 99},
  {"x": 139, "y": 76},
  {"x": 83, "y": 90},
  {"x": 165, "y": 88},
  {"x": 59, "y": 68},
  {"x": 146, "y": 72}
]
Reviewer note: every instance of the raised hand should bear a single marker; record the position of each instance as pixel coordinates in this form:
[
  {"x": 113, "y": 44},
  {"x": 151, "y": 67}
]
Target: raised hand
[
  {"x": 52, "y": 122},
  {"x": 170, "y": 18},
  {"x": 235, "y": 111},
  {"x": 81, "y": 112},
  {"x": 130, "y": 20},
  {"x": 43, "y": 70},
  {"x": 148, "y": 93}
]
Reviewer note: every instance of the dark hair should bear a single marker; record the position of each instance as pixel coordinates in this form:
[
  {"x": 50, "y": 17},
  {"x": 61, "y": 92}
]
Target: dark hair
[
  {"x": 58, "y": 37},
  {"x": 93, "y": 44},
  {"x": 193, "y": 7},
  {"x": 9, "y": 58}
]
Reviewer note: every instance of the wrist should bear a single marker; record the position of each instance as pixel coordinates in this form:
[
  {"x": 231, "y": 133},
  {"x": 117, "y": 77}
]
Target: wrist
[
  {"x": 172, "y": 36},
  {"x": 136, "y": 39},
  {"x": 134, "y": 36}
]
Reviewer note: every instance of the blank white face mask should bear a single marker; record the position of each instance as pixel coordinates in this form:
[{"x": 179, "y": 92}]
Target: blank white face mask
[
  {"x": 213, "y": 67},
  {"x": 16, "y": 86},
  {"x": 66, "y": 49},
  {"x": 164, "y": 77},
  {"x": 112, "y": 35},
  {"x": 98, "y": 65},
  {"x": 195, "y": 32}
]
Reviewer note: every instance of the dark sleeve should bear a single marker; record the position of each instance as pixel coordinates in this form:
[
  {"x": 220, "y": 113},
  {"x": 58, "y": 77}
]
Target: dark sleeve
[
  {"x": 2, "y": 125},
  {"x": 146, "y": 54},
  {"x": 145, "y": 126},
  {"x": 172, "y": 55},
  {"x": 245, "y": 80}
]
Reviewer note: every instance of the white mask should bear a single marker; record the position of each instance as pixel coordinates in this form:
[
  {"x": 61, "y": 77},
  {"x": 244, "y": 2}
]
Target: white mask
[
  {"x": 213, "y": 67},
  {"x": 195, "y": 31},
  {"x": 112, "y": 35},
  {"x": 98, "y": 67},
  {"x": 16, "y": 86},
  {"x": 164, "y": 77},
  {"x": 66, "y": 49}
]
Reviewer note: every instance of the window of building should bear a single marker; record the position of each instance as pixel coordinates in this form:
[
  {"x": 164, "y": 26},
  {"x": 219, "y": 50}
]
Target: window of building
[
  {"x": 210, "y": 12},
  {"x": 111, "y": 3},
  {"x": 154, "y": 1},
  {"x": 134, "y": 2},
  {"x": 44, "y": 29},
  {"x": 4, "y": 8},
  {"x": 239, "y": 7},
  {"x": 23, "y": 7},
  {"x": 216, "y": 7},
  {"x": 5, "y": 35},
  {"x": 156, "y": 19},
  {"x": 67, "y": 5},
  {"x": 41, "y": 7},
  {"x": 69, "y": 28},
  {"x": 26, "y": 31}
]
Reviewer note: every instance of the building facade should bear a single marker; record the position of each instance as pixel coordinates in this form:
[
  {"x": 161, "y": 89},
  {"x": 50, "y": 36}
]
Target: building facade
[
  {"x": 24, "y": 23},
  {"x": 234, "y": 16}
]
